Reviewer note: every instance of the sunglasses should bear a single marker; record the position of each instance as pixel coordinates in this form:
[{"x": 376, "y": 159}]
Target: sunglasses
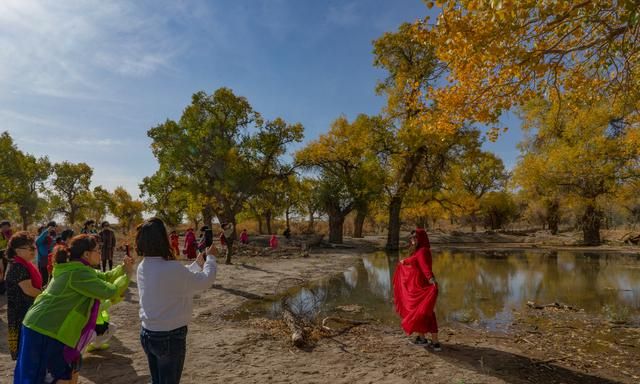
[{"x": 29, "y": 247}]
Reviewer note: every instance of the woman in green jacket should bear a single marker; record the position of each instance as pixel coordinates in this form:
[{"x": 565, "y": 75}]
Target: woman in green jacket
[{"x": 62, "y": 319}]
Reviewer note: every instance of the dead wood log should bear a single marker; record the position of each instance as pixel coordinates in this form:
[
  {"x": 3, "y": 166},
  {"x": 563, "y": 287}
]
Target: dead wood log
[{"x": 297, "y": 330}]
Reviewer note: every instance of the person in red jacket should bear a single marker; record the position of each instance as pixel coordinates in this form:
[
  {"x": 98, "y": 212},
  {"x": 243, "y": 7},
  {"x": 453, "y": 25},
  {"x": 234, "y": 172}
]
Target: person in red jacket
[
  {"x": 175, "y": 243},
  {"x": 416, "y": 292},
  {"x": 273, "y": 242},
  {"x": 190, "y": 244}
]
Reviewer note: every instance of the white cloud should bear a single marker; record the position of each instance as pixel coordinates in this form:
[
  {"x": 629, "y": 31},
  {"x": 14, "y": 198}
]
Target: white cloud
[
  {"x": 70, "y": 48},
  {"x": 10, "y": 118},
  {"x": 344, "y": 14},
  {"x": 74, "y": 143}
]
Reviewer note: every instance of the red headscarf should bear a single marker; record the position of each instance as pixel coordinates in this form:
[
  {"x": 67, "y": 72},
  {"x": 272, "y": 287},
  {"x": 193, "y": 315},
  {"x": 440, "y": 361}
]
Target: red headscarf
[
  {"x": 36, "y": 277},
  {"x": 422, "y": 239}
]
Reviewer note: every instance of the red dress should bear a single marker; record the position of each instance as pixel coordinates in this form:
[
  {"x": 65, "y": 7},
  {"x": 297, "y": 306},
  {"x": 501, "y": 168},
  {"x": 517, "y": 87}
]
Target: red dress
[
  {"x": 175, "y": 244},
  {"x": 190, "y": 245},
  {"x": 415, "y": 298}
]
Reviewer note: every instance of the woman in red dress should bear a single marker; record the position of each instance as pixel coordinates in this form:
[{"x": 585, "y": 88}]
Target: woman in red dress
[{"x": 416, "y": 291}]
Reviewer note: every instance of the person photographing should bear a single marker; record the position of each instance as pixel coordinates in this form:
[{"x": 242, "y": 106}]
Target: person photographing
[{"x": 166, "y": 288}]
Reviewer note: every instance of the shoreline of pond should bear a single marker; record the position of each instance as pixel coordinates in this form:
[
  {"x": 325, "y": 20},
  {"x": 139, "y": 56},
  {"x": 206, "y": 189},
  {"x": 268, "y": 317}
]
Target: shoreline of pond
[
  {"x": 553, "y": 343},
  {"x": 493, "y": 241},
  {"x": 549, "y": 345},
  {"x": 260, "y": 350}
]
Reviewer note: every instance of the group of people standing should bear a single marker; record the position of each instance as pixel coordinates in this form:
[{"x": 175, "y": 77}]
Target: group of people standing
[
  {"x": 107, "y": 239},
  {"x": 193, "y": 245},
  {"x": 52, "y": 324}
]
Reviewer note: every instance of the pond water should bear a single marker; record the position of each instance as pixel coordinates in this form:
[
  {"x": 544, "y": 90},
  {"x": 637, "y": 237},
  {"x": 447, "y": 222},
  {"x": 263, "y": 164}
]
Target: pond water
[{"x": 478, "y": 288}]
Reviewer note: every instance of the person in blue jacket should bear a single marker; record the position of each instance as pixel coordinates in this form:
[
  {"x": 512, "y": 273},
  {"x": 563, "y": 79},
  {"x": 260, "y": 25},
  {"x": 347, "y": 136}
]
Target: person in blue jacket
[{"x": 45, "y": 243}]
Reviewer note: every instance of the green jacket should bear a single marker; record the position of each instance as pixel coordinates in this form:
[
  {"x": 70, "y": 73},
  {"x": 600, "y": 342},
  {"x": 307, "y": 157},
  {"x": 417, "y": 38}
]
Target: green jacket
[{"x": 63, "y": 309}]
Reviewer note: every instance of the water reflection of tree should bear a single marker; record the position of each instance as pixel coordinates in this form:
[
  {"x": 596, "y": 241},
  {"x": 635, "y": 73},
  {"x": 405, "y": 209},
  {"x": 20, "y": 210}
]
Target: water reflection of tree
[
  {"x": 379, "y": 274},
  {"x": 485, "y": 287},
  {"x": 587, "y": 281},
  {"x": 367, "y": 284},
  {"x": 471, "y": 286}
]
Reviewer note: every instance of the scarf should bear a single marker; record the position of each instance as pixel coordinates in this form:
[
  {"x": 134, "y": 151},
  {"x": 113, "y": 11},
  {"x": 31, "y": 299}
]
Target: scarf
[
  {"x": 36, "y": 277},
  {"x": 73, "y": 354}
]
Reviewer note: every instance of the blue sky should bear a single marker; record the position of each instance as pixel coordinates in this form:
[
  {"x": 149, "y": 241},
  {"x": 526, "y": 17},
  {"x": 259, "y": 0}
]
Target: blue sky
[{"x": 84, "y": 80}]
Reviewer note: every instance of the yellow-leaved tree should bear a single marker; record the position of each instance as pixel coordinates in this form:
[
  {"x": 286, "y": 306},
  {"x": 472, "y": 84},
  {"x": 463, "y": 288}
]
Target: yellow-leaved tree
[
  {"x": 469, "y": 179},
  {"x": 582, "y": 157},
  {"x": 501, "y": 53},
  {"x": 350, "y": 174}
]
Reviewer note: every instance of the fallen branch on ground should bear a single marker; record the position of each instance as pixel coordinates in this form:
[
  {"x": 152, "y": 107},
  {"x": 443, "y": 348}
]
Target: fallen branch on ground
[
  {"x": 297, "y": 335},
  {"x": 341, "y": 320},
  {"x": 532, "y": 304}
]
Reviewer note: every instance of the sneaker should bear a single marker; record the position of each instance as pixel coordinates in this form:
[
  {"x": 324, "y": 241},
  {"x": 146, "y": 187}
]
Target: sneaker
[
  {"x": 419, "y": 340},
  {"x": 437, "y": 347}
]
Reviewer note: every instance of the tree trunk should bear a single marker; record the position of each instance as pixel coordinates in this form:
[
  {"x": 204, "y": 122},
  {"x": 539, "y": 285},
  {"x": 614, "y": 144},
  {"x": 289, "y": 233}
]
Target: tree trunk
[
  {"x": 72, "y": 215},
  {"x": 260, "y": 229},
  {"x": 336, "y": 221},
  {"x": 553, "y": 216},
  {"x": 311, "y": 222},
  {"x": 230, "y": 240},
  {"x": 227, "y": 259},
  {"x": 495, "y": 221},
  {"x": 474, "y": 224},
  {"x": 267, "y": 220},
  {"x": 207, "y": 215},
  {"x": 24, "y": 215},
  {"x": 286, "y": 216},
  {"x": 358, "y": 224},
  {"x": 395, "y": 205},
  {"x": 393, "y": 234},
  {"x": 591, "y": 221},
  {"x": 422, "y": 222}
]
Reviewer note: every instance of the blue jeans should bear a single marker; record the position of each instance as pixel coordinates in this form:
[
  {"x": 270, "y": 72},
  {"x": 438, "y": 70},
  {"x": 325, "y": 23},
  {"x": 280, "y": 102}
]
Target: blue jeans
[
  {"x": 38, "y": 355},
  {"x": 165, "y": 352}
]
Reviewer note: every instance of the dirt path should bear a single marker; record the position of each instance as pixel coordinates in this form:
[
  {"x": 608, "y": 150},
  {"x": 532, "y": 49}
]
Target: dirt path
[{"x": 250, "y": 351}]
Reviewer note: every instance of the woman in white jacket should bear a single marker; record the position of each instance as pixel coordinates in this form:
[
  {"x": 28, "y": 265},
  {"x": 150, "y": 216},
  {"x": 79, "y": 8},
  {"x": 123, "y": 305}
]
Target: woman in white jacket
[{"x": 166, "y": 288}]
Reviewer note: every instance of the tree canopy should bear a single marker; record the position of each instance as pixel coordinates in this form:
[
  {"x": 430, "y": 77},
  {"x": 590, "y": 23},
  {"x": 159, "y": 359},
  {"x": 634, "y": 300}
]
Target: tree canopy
[
  {"x": 222, "y": 151},
  {"x": 499, "y": 54}
]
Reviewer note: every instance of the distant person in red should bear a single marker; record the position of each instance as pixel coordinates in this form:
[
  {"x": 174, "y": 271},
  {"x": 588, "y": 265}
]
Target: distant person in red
[
  {"x": 190, "y": 244},
  {"x": 273, "y": 243},
  {"x": 244, "y": 237},
  {"x": 416, "y": 291},
  {"x": 175, "y": 243}
]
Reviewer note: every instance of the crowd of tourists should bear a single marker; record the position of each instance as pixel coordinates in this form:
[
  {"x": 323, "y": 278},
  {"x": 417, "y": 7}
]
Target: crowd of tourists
[{"x": 60, "y": 287}]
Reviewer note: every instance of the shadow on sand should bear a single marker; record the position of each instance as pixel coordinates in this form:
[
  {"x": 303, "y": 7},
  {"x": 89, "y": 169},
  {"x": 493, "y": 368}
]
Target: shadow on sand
[
  {"x": 254, "y": 268},
  {"x": 237, "y": 292},
  {"x": 114, "y": 365},
  {"x": 514, "y": 368}
]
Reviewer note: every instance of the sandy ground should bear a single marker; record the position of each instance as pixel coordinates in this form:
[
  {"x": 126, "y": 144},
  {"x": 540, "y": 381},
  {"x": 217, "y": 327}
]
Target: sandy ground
[{"x": 225, "y": 351}]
